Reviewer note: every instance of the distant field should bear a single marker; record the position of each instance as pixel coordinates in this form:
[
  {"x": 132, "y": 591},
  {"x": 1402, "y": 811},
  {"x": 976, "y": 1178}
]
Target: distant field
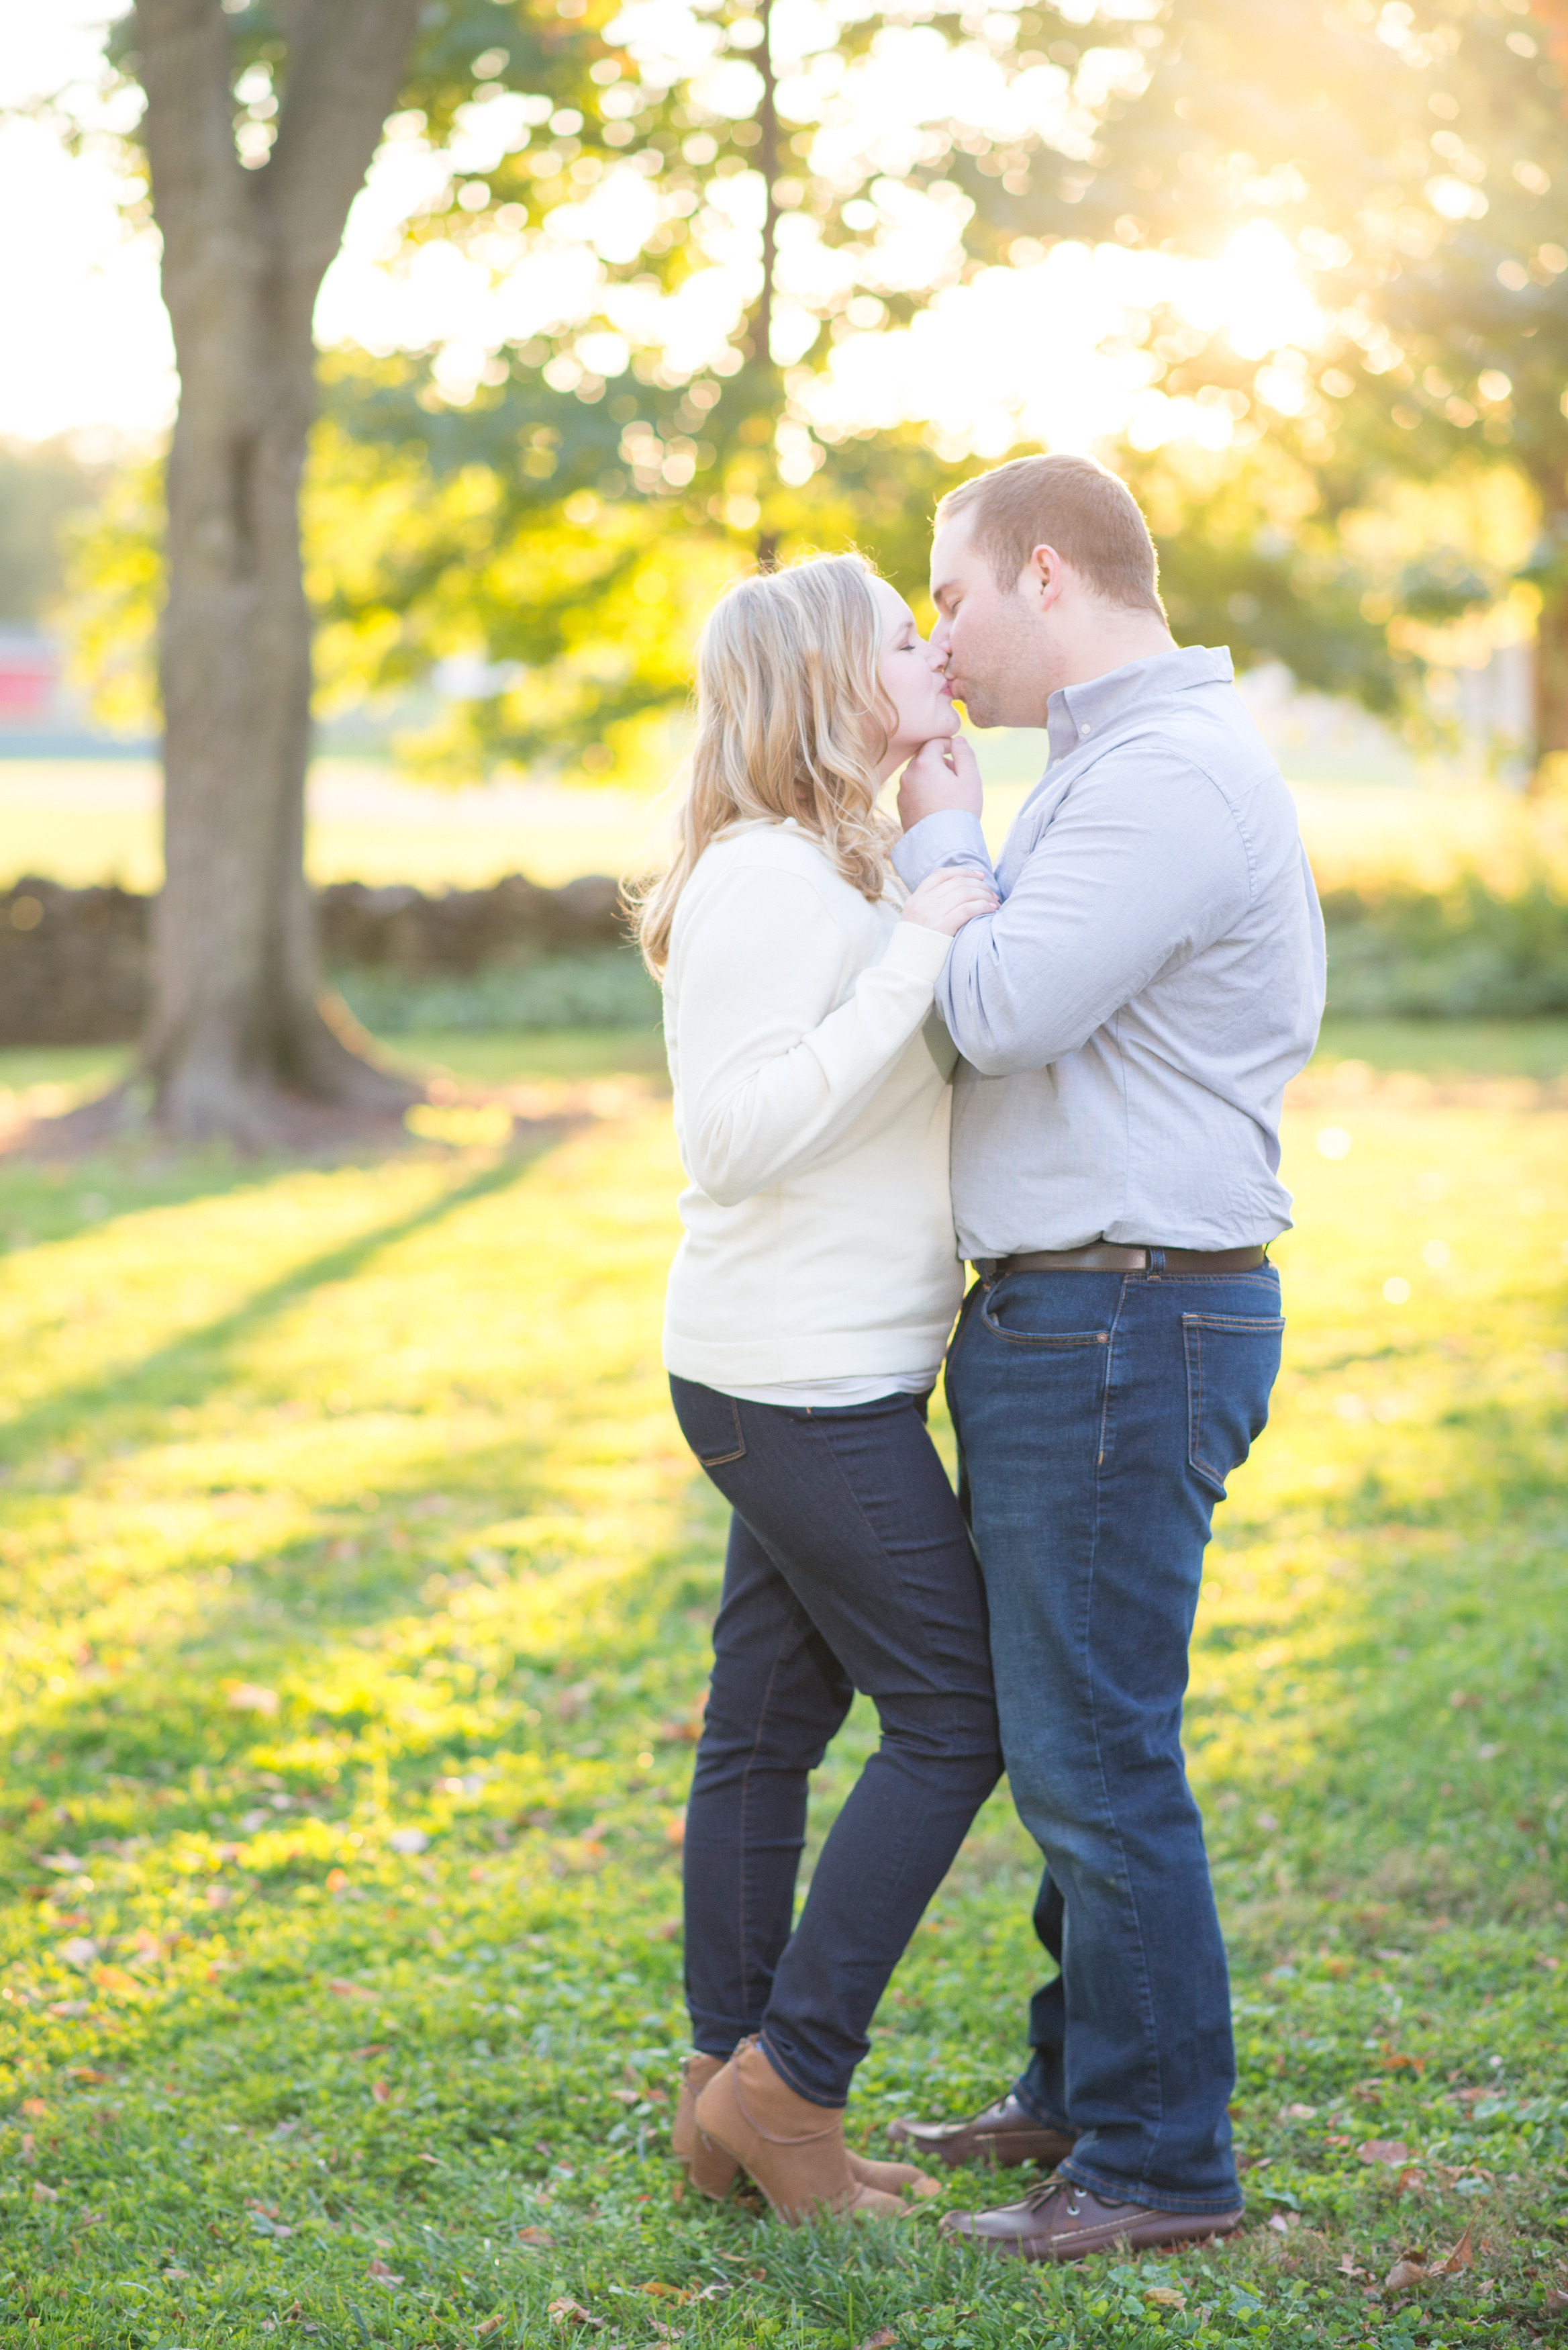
[
  {"x": 82, "y": 821},
  {"x": 85, "y": 821}
]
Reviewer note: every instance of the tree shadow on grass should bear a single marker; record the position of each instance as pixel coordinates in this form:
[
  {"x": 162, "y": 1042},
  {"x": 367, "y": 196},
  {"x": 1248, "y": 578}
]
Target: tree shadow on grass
[{"x": 188, "y": 1367}]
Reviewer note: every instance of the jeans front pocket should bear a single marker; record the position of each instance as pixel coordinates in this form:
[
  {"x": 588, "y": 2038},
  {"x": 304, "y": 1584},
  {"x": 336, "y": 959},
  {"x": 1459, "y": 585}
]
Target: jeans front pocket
[
  {"x": 1232, "y": 1362},
  {"x": 1018, "y": 1307},
  {"x": 710, "y": 1422}
]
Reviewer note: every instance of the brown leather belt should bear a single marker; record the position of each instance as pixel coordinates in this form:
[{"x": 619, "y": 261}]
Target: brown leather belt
[{"x": 1108, "y": 1256}]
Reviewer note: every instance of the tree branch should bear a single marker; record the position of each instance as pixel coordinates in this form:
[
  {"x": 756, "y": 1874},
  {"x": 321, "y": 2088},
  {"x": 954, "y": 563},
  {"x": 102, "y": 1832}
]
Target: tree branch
[
  {"x": 346, "y": 66},
  {"x": 198, "y": 193}
]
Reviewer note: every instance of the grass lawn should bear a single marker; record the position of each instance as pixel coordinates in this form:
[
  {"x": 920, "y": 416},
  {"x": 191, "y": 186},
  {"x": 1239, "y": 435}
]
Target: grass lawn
[{"x": 356, "y": 1594}]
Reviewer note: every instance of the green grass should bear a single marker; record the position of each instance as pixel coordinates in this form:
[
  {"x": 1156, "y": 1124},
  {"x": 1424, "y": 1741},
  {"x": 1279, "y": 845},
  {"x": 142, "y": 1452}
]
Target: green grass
[
  {"x": 343, "y": 1513},
  {"x": 1450, "y": 1048}
]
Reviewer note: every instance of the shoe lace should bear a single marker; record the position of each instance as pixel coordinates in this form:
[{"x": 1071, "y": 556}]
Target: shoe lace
[{"x": 1039, "y": 2197}]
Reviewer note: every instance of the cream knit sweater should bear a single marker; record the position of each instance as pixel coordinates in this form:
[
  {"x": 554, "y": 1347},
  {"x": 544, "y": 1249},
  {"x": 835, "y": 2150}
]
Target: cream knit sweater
[{"x": 810, "y": 1109}]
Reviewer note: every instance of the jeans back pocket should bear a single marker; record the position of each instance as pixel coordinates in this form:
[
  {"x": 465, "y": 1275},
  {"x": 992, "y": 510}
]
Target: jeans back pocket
[
  {"x": 1232, "y": 1362},
  {"x": 710, "y": 1422}
]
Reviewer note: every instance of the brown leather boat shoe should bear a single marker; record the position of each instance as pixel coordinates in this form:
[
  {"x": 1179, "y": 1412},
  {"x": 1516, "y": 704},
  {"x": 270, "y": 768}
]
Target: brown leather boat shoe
[
  {"x": 1059, "y": 2222},
  {"x": 1005, "y": 2134}
]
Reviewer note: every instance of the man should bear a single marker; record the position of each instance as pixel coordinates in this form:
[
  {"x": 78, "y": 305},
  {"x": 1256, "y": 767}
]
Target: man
[{"x": 1129, "y": 1019}]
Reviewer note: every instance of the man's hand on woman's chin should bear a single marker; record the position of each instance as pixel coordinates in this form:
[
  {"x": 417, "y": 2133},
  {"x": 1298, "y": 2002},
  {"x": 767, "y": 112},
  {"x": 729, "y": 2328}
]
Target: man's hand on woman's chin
[{"x": 943, "y": 774}]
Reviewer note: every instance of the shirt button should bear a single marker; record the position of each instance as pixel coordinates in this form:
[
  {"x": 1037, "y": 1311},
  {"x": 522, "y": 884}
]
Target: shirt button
[{"x": 1083, "y": 731}]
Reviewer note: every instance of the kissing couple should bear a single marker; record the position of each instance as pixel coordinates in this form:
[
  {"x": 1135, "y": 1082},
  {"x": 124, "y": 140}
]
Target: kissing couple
[{"x": 891, "y": 1056}]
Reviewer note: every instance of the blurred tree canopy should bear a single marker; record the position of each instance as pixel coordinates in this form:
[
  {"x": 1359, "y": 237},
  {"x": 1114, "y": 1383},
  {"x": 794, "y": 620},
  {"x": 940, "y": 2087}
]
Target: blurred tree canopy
[
  {"x": 1409, "y": 153},
  {"x": 552, "y": 510},
  {"x": 43, "y": 486}
]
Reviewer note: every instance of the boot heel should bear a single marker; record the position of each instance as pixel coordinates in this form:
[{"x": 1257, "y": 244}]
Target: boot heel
[{"x": 711, "y": 2170}]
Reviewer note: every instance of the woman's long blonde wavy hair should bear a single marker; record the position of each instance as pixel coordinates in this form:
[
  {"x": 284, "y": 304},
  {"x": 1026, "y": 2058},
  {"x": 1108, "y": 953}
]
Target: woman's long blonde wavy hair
[{"x": 789, "y": 712}]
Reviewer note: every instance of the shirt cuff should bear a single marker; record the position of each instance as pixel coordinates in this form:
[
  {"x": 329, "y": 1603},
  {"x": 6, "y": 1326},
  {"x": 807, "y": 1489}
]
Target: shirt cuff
[
  {"x": 952, "y": 836},
  {"x": 914, "y": 948}
]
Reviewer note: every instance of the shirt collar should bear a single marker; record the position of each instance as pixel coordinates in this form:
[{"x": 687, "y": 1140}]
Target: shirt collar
[{"x": 1077, "y": 714}]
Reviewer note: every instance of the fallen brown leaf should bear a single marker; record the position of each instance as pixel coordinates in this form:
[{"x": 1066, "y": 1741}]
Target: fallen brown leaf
[
  {"x": 535, "y": 2236},
  {"x": 1347, "y": 2266},
  {"x": 293, "y": 2314},
  {"x": 627, "y": 2096},
  {"x": 662, "y": 2292},
  {"x": 1409, "y": 2182},
  {"x": 1460, "y": 2257},
  {"x": 382, "y": 2273},
  {"x": 491, "y": 2325},
  {"x": 569, "y": 2312},
  {"x": 380, "y": 2093},
  {"x": 1391, "y": 2151},
  {"x": 883, "y": 2340},
  {"x": 1406, "y": 2271},
  {"x": 42, "y": 2194},
  {"x": 375, "y": 2048},
  {"x": 36, "y": 2106},
  {"x": 1556, "y": 2301},
  {"x": 348, "y": 1990}
]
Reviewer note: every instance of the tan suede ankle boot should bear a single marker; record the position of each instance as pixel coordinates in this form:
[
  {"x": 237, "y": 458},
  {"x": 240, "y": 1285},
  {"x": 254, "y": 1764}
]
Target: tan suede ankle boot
[
  {"x": 794, "y": 2149},
  {"x": 713, "y": 2172},
  {"x": 710, "y": 2171}
]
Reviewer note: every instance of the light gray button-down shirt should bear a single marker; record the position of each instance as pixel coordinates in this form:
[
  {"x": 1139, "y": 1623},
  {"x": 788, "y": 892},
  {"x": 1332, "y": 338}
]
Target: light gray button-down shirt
[{"x": 1130, "y": 1015}]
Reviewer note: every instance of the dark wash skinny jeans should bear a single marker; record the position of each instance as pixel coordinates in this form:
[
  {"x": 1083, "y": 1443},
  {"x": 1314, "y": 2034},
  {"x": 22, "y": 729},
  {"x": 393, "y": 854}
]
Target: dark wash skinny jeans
[
  {"x": 849, "y": 1567},
  {"x": 1099, "y": 1416}
]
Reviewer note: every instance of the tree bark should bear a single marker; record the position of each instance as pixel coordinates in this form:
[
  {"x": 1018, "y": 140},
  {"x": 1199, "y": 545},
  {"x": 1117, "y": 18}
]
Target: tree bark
[{"x": 237, "y": 1017}]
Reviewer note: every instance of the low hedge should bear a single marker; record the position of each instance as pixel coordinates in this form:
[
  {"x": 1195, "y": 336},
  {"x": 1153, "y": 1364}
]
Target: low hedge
[{"x": 1464, "y": 952}]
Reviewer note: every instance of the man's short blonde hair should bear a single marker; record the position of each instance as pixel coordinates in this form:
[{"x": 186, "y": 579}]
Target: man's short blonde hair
[{"x": 1071, "y": 503}]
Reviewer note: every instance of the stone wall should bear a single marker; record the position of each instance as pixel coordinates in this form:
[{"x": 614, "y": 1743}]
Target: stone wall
[{"x": 73, "y": 962}]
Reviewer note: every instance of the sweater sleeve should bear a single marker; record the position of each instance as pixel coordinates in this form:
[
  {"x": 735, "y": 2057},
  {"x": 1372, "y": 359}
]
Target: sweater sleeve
[{"x": 770, "y": 1073}]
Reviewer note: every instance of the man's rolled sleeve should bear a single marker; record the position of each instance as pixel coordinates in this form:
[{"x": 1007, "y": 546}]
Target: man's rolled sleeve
[{"x": 952, "y": 837}]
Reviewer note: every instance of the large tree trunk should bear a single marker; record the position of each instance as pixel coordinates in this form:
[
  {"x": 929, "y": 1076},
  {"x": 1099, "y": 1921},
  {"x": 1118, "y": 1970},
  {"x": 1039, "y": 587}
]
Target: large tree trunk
[{"x": 237, "y": 1018}]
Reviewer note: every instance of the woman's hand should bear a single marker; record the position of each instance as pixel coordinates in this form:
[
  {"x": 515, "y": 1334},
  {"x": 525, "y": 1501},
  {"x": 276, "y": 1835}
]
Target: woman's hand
[
  {"x": 949, "y": 899},
  {"x": 943, "y": 774}
]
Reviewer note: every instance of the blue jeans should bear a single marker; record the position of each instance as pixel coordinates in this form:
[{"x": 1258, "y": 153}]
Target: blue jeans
[
  {"x": 1099, "y": 1416},
  {"x": 848, "y": 1568}
]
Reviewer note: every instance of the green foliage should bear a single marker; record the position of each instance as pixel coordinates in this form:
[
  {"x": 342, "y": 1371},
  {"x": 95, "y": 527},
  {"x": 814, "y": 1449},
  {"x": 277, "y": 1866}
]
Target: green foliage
[
  {"x": 610, "y": 990},
  {"x": 573, "y": 547},
  {"x": 1248, "y": 559},
  {"x": 1408, "y": 154},
  {"x": 1466, "y": 952},
  {"x": 113, "y": 556},
  {"x": 42, "y": 486},
  {"x": 344, "y": 1510}
]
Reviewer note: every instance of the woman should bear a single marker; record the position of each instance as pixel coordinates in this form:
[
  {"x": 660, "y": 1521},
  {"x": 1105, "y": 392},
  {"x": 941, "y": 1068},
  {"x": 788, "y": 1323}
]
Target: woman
[{"x": 808, "y": 1305}]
